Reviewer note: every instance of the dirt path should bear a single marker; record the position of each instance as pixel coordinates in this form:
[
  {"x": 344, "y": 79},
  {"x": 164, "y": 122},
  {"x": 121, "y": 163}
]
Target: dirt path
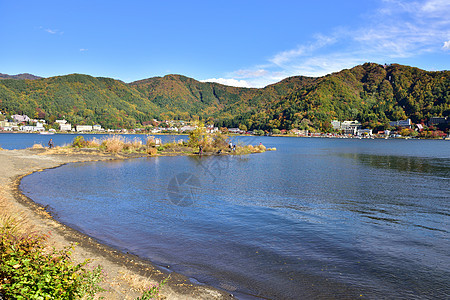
[{"x": 127, "y": 275}]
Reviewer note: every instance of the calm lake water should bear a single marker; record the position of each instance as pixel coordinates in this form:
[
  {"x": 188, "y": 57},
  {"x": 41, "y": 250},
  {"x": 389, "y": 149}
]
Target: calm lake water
[
  {"x": 316, "y": 219},
  {"x": 26, "y": 140}
]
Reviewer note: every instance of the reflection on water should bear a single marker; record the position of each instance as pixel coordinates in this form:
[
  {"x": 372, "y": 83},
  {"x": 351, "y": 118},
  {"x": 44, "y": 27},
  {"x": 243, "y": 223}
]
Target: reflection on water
[
  {"x": 421, "y": 165},
  {"x": 316, "y": 219}
]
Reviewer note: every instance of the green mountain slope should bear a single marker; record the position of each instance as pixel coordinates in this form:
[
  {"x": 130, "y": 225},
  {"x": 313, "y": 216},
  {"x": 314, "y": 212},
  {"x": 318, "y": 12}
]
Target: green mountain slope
[
  {"x": 81, "y": 99},
  {"x": 371, "y": 93}
]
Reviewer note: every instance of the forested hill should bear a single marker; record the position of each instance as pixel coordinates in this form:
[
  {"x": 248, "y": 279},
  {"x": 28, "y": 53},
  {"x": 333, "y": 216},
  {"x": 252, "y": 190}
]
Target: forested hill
[
  {"x": 371, "y": 93},
  {"x": 19, "y": 76}
]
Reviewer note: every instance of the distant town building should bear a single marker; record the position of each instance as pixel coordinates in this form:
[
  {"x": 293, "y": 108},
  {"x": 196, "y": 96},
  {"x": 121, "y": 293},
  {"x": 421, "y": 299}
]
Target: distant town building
[
  {"x": 401, "y": 123},
  {"x": 347, "y": 127},
  {"x": 85, "y": 128},
  {"x": 438, "y": 120},
  {"x": 212, "y": 129},
  {"x": 4, "y": 124},
  {"x": 235, "y": 130},
  {"x": 97, "y": 128},
  {"x": 299, "y": 132},
  {"x": 361, "y": 132},
  {"x": 61, "y": 121},
  {"x": 350, "y": 125},
  {"x": 65, "y": 127},
  {"x": 187, "y": 128},
  {"x": 336, "y": 125},
  {"x": 31, "y": 128},
  {"x": 20, "y": 118}
]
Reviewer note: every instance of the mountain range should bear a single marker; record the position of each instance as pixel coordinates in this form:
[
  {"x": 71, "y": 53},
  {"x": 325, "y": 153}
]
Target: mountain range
[{"x": 371, "y": 93}]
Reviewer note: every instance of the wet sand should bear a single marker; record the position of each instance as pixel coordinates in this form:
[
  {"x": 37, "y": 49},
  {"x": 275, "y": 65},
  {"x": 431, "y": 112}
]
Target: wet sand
[{"x": 127, "y": 275}]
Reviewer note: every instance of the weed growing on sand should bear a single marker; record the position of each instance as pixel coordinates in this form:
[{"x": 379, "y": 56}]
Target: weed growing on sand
[
  {"x": 30, "y": 269},
  {"x": 153, "y": 291}
]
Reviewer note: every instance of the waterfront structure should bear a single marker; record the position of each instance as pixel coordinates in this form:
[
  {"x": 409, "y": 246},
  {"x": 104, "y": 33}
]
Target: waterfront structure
[
  {"x": 65, "y": 127},
  {"x": 187, "y": 128},
  {"x": 84, "y": 128},
  {"x": 401, "y": 123},
  {"x": 235, "y": 130},
  {"x": 361, "y": 132},
  {"x": 97, "y": 128},
  {"x": 347, "y": 127},
  {"x": 438, "y": 120},
  {"x": 20, "y": 118},
  {"x": 336, "y": 125},
  {"x": 31, "y": 128}
]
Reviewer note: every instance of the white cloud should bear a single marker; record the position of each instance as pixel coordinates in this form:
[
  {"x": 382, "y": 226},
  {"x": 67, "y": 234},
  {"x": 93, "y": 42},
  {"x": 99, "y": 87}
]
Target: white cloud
[
  {"x": 83, "y": 50},
  {"x": 395, "y": 29},
  {"x": 229, "y": 81},
  {"x": 287, "y": 56},
  {"x": 51, "y": 31},
  {"x": 436, "y": 6},
  {"x": 250, "y": 73},
  {"x": 446, "y": 45}
]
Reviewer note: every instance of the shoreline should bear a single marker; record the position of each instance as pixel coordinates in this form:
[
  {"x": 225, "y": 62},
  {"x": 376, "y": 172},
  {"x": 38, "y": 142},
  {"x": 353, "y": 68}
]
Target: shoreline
[{"x": 127, "y": 274}]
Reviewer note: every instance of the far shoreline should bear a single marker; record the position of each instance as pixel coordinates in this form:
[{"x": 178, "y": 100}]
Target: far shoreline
[{"x": 316, "y": 135}]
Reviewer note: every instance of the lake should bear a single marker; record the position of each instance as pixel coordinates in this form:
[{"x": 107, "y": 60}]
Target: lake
[
  {"x": 317, "y": 219},
  {"x": 26, "y": 140}
]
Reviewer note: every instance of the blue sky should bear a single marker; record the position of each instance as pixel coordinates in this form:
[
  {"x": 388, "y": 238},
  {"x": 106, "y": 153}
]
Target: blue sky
[{"x": 241, "y": 43}]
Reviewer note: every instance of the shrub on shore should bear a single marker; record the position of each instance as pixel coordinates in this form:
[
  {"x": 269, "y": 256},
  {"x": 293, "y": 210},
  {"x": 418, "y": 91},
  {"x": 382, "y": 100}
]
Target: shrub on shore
[
  {"x": 30, "y": 269},
  {"x": 79, "y": 142},
  {"x": 114, "y": 144}
]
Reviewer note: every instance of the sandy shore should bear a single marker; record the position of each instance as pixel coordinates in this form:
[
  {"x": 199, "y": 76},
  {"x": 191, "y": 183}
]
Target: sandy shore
[{"x": 127, "y": 275}]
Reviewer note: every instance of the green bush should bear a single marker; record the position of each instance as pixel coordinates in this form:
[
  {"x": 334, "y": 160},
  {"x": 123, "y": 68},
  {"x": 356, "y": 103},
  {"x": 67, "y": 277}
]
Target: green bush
[
  {"x": 29, "y": 269},
  {"x": 79, "y": 142}
]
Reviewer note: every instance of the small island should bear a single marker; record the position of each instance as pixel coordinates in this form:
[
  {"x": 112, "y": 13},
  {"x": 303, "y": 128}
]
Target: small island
[{"x": 199, "y": 143}]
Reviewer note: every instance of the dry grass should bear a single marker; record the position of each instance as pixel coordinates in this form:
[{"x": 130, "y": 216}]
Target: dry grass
[
  {"x": 152, "y": 151},
  {"x": 94, "y": 143},
  {"x": 15, "y": 224},
  {"x": 133, "y": 146},
  {"x": 114, "y": 144},
  {"x": 150, "y": 141},
  {"x": 248, "y": 149},
  {"x": 37, "y": 146}
]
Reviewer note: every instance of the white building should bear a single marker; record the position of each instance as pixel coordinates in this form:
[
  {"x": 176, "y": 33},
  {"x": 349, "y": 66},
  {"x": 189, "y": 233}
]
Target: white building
[
  {"x": 364, "y": 132},
  {"x": 97, "y": 128},
  {"x": 65, "y": 127},
  {"x": 30, "y": 128},
  {"x": 84, "y": 128},
  {"x": 187, "y": 128},
  {"x": 20, "y": 118},
  {"x": 401, "y": 123},
  {"x": 336, "y": 124}
]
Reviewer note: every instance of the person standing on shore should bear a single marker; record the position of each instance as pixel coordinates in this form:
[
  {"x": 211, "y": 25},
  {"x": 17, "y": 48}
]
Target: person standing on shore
[{"x": 50, "y": 144}]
